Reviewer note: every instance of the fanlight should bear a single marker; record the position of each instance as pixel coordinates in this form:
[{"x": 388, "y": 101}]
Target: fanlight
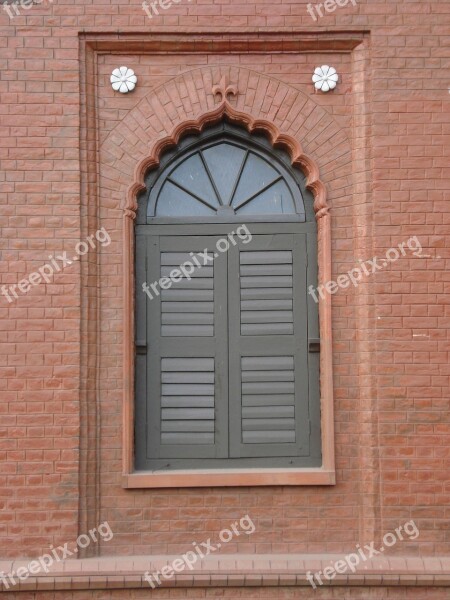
[{"x": 225, "y": 179}]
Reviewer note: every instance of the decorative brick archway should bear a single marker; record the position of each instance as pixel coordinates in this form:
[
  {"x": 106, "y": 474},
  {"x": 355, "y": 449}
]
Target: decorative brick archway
[{"x": 292, "y": 121}]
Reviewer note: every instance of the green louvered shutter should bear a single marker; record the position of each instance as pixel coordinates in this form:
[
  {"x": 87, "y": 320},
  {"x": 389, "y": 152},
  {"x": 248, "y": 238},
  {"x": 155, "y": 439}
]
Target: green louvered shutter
[
  {"x": 184, "y": 405},
  {"x": 268, "y": 337}
]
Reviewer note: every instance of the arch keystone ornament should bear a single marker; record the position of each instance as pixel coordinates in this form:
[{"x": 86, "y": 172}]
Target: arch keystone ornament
[
  {"x": 310, "y": 136},
  {"x": 224, "y": 90}
]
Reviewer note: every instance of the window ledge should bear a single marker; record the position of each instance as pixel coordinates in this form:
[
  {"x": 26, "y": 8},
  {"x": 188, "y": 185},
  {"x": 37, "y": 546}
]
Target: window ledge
[{"x": 228, "y": 478}]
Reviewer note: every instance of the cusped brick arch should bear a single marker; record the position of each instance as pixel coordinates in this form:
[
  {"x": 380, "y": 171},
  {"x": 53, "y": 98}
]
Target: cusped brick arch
[
  {"x": 292, "y": 121},
  {"x": 289, "y": 116}
]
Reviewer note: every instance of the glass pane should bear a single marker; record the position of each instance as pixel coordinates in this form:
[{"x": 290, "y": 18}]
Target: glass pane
[
  {"x": 276, "y": 200},
  {"x": 224, "y": 161},
  {"x": 173, "y": 202},
  {"x": 256, "y": 175},
  {"x": 192, "y": 175}
]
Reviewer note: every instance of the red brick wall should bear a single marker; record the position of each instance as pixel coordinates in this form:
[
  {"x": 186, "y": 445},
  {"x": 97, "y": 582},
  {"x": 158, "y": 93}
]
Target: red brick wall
[
  {"x": 164, "y": 521},
  {"x": 391, "y": 348}
]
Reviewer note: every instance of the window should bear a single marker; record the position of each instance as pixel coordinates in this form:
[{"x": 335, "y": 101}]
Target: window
[{"x": 227, "y": 363}]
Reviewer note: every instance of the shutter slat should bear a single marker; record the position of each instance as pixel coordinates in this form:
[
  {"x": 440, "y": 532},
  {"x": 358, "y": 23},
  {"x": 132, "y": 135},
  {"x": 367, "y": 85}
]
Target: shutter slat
[
  {"x": 267, "y": 257},
  {"x": 199, "y": 283},
  {"x": 183, "y": 389},
  {"x": 266, "y": 305},
  {"x": 187, "y": 364},
  {"x": 268, "y": 412},
  {"x": 266, "y": 282},
  {"x": 263, "y": 376},
  {"x": 268, "y": 400},
  {"x": 199, "y": 272},
  {"x": 187, "y": 330},
  {"x": 262, "y": 363},
  {"x": 187, "y": 295},
  {"x": 267, "y": 329},
  {"x": 178, "y": 439},
  {"x": 178, "y": 414},
  {"x": 268, "y": 437},
  {"x": 189, "y": 307},
  {"x": 186, "y": 426},
  {"x": 195, "y": 377},
  {"x": 187, "y": 401},
  {"x": 176, "y": 259},
  {"x": 282, "y": 387},
  {"x": 262, "y": 316},
  {"x": 258, "y": 270},
  {"x": 266, "y": 293},
  {"x": 268, "y": 424},
  {"x": 187, "y": 319}
]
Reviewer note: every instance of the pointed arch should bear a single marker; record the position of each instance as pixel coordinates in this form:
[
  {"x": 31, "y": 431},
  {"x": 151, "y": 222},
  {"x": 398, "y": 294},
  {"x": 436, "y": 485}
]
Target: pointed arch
[
  {"x": 186, "y": 105},
  {"x": 279, "y": 140}
]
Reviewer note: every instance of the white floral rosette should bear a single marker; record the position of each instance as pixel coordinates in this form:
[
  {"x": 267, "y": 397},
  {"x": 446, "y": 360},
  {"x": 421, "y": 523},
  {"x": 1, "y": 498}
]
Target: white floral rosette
[
  {"x": 325, "y": 78},
  {"x": 123, "y": 80}
]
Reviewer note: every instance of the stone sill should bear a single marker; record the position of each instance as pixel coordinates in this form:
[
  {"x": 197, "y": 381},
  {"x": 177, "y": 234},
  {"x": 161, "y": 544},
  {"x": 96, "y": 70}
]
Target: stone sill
[
  {"x": 231, "y": 570},
  {"x": 230, "y": 477}
]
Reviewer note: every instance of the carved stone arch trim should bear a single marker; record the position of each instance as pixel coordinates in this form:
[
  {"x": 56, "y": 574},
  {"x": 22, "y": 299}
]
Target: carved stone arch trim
[
  {"x": 163, "y": 118},
  {"x": 225, "y": 110},
  {"x": 253, "y": 123}
]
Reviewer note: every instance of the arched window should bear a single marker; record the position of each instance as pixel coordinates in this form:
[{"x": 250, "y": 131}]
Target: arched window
[
  {"x": 227, "y": 370},
  {"x": 225, "y": 178}
]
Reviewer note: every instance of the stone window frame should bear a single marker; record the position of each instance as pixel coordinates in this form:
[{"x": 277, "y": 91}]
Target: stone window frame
[{"x": 324, "y": 475}]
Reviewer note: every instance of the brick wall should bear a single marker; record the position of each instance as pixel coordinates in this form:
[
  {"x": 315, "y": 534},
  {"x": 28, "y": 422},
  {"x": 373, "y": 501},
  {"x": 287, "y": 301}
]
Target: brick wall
[{"x": 61, "y": 347}]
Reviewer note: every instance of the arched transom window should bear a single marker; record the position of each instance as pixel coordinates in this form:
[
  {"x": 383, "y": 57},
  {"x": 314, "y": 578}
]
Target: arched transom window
[
  {"x": 225, "y": 178},
  {"x": 227, "y": 174}
]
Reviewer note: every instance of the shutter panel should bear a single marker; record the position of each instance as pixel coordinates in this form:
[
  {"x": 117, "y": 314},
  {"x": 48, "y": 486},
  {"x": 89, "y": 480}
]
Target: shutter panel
[
  {"x": 187, "y": 401},
  {"x": 268, "y": 329},
  {"x": 264, "y": 275},
  {"x": 268, "y": 399},
  {"x": 187, "y": 309},
  {"x": 187, "y": 361}
]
